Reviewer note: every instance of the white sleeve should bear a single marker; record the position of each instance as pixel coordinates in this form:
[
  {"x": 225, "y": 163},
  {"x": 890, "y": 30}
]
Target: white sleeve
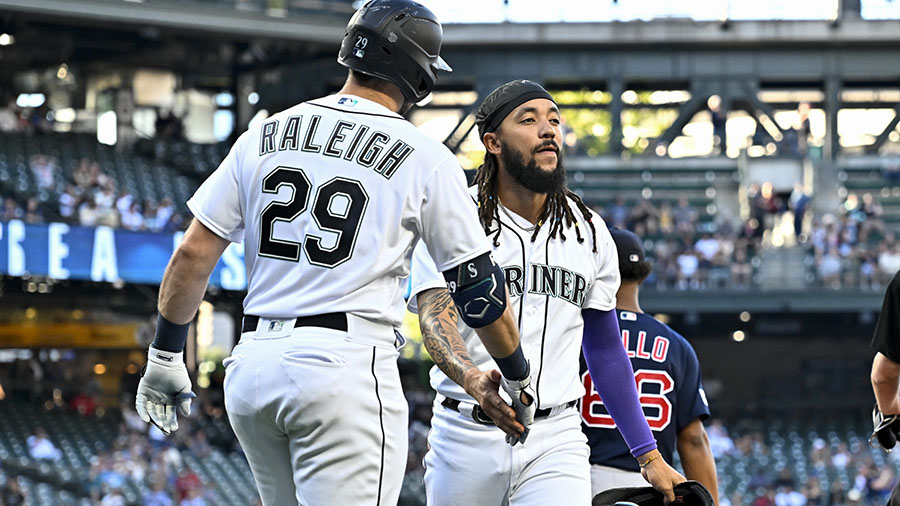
[
  {"x": 450, "y": 226},
  {"x": 217, "y": 203},
  {"x": 602, "y": 294},
  {"x": 424, "y": 275}
]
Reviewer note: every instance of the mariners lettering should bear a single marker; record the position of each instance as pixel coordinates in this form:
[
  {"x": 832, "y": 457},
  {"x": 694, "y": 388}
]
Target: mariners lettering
[
  {"x": 347, "y": 140},
  {"x": 514, "y": 280},
  {"x": 550, "y": 280}
]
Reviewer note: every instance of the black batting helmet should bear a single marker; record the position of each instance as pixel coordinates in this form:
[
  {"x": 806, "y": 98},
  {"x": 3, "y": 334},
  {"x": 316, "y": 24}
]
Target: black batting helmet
[{"x": 395, "y": 40}]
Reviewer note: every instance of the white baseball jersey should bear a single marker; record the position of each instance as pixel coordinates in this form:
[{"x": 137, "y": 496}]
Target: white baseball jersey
[
  {"x": 329, "y": 197},
  {"x": 549, "y": 282}
]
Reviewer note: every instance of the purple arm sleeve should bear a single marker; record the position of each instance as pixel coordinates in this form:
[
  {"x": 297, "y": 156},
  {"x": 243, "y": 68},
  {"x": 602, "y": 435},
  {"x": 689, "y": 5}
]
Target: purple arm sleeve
[{"x": 613, "y": 378}]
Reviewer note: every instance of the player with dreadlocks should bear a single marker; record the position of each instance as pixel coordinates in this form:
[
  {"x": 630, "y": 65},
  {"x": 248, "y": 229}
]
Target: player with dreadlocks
[{"x": 563, "y": 296}]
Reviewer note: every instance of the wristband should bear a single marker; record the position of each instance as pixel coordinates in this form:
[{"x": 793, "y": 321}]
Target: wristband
[
  {"x": 651, "y": 459},
  {"x": 514, "y": 367},
  {"x": 170, "y": 336}
]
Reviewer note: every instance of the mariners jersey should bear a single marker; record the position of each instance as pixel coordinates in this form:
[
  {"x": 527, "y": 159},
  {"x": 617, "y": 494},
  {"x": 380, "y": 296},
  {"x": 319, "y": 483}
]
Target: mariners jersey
[
  {"x": 668, "y": 379},
  {"x": 549, "y": 282},
  {"x": 329, "y": 198}
]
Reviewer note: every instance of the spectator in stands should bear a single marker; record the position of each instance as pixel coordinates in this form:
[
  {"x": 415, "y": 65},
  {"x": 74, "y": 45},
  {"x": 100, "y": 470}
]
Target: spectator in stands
[
  {"x": 787, "y": 496},
  {"x": 9, "y": 117},
  {"x": 707, "y": 248},
  {"x": 132, "y": 218},
  {"x": 150, "y": 209},
  {"x": 666, "y": 220},
  {"x": 617, "y": 215},
  {"x": 719, "y": 119},
  {"x": 43, "y": 167},
  {"x": 799, "y": 201},
  {"x": 186, "y": 481},
  {"x": 194, "y": 498},
  {"x": 684, "y": 216},
  {"x": 124, "y": 201},
  {"x": 889, "y": 259},
  {"x": 88, "y": 214},
  {"x": 68, "y": 201},
  {"x": 40, "y": 446},
  {"x": 719, "y": 440},
  {"x": 33, "y": 213},
  {"x": 163, "y": 214},
  {"x": 113, "y": 498},
  {"x": 830, "y": 269},
  {"x": 157, "y": 495},
  {"x": 688, "y": 267},
  {"x": 11, "y": 210},
  {"x": 644, "y": 220},
  {"x": 12, "y": 494}
]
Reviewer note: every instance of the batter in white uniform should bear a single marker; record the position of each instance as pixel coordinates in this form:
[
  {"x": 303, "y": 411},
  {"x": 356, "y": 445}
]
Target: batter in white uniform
[
  {"x": 328, "y": 198},
  {"x": 562, "y": 275}
]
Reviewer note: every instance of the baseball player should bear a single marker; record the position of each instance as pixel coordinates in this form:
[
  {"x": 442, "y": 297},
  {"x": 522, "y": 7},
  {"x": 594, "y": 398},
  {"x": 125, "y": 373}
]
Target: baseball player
[
  {"x": 562, "y": 276},
  {"x": 886, "y": 374},
  {"x": 329, "y": 198},
  {"x": 667, "y": 375}
]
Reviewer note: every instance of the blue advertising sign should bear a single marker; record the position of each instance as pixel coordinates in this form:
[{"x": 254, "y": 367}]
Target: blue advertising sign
[{"x": 61, "y": 251}]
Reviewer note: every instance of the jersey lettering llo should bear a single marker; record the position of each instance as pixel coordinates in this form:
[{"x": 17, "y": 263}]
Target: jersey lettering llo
[{"x": 667, "y": 374}]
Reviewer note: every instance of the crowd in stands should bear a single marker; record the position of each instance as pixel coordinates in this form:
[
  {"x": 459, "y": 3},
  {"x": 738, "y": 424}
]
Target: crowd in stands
[
  {"x": 91, "y": 199},
  {"x": 854, "y": 247},
  {"x": 865, "y": 483},
  {"x": 758, "y": 464},
  {"x": 141, "y": 454},
  {"x": 687, "y": 252}
]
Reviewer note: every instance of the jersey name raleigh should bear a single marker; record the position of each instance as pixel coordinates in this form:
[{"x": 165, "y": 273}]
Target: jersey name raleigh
[{"x": 348, "y": 140}]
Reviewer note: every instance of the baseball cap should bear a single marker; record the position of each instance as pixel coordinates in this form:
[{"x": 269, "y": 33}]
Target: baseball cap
[
  {"x": 504, "y": 100},
  {"x": 630, "y": 246}
]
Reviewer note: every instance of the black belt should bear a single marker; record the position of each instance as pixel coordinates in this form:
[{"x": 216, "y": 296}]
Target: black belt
[
  {"x": 335, "y": 321},
  {"x": 481, "y": 417}
]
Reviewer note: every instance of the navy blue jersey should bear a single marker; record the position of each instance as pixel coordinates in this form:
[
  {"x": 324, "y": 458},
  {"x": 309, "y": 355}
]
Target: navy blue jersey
[{"x": 668, "y": 379}]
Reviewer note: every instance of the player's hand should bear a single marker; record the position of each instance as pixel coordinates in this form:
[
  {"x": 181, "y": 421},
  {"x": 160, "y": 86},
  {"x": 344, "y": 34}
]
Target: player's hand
[
  {"x": 661, "y": 475},
  {"x": 164, "y": 388},
  {"x": 484, "y": 387},
  {"x": 522, "y": 395},
  {"x": 885, "y": 430}
]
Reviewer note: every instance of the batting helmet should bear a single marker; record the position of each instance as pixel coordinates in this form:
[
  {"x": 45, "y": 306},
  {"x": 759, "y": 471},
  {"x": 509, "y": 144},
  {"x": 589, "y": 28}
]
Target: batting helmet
[
  {"x": 395, "y": 40},
  {"x": 689, "y": 493}
]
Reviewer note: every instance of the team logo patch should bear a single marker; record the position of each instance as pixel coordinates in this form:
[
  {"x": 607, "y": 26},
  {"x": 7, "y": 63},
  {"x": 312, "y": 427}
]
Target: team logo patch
[{"x": 349, "y": 102}]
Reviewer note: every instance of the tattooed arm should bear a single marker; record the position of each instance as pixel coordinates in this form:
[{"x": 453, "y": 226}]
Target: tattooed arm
[{"x": 438, "y": 321}]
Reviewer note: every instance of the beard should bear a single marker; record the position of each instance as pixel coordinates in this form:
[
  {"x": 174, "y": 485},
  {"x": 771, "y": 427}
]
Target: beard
[{"x": 530, "y": 175}]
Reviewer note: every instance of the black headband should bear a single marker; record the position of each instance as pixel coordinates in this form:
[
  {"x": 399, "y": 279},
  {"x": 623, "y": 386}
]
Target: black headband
[{"x": 502, "y": 101}]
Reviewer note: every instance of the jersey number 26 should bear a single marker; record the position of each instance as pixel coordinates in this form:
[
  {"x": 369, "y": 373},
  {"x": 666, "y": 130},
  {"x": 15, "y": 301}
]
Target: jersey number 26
[
  {"x": 338, "y": 207},
  {"x": 652, "y": 387}
]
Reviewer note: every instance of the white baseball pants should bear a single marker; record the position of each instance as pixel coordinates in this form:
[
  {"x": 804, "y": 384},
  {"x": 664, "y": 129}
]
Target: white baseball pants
[
  {"x": 605, "y": 478},
  {"x": 320, "y": 413},
  {"x": 470, "y": 464}
]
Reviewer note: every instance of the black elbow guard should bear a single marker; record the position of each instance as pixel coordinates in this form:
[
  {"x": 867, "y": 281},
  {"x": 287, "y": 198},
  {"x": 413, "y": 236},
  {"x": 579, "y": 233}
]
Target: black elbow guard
[{"x": 478, "y": 289}]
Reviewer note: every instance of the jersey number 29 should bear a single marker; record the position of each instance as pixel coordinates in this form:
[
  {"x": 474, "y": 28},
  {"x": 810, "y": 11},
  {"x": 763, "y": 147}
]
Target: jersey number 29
[
  {"x": 652, "y": 387},
  {"x": 338, "y": 207}
]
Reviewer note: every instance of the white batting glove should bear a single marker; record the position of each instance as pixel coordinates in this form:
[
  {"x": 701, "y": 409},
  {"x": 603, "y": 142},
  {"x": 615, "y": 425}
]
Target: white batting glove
[
  {"x": 524, "y": 412},
  {"x": 164, "y": 383}
]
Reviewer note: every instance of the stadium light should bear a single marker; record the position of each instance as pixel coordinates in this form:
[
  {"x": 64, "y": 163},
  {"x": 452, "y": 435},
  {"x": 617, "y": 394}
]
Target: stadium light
[{"x": 7, "y": 39}]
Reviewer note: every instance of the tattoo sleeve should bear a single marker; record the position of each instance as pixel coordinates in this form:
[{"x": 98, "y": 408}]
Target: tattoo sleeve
[{"x": 437, "y": 320}]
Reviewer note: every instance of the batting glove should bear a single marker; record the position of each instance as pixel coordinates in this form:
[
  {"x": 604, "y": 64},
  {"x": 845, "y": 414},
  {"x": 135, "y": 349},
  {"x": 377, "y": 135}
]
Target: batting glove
[
  {"x": 885, "y": 430},
  {"x": 524, "y": 412},
  {"x": 164, "y": 384}
]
